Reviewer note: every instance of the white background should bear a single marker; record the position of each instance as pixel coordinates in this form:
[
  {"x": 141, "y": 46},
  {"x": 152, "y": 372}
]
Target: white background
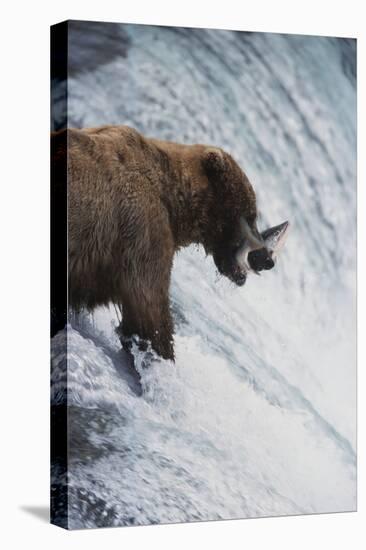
[{"x": 24, "y": 272}]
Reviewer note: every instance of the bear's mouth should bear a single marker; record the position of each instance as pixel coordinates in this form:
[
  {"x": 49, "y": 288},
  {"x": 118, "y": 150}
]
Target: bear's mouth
[
  {"x": 237, "y": 274},
  {"x": 261, "y": 255},
  {"x": 258, "y": 260},
  {"x": 253, "y": 255}
]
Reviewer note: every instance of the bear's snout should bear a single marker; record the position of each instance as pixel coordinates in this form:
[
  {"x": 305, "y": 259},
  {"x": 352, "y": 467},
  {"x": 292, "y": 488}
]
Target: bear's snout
[{"x": 239, "y": 277}]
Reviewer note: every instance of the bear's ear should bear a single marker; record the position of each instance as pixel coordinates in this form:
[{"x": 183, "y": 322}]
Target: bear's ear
[{"x": 214, "y": 162}]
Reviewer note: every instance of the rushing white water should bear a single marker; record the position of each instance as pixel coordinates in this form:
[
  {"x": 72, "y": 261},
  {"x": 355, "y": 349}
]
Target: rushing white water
[{"x": 257, "y": 416}]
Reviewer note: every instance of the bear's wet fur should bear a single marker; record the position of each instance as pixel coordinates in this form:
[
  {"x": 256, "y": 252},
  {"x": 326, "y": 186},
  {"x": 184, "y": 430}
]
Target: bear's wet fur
[{"x": 133, "y": 202}]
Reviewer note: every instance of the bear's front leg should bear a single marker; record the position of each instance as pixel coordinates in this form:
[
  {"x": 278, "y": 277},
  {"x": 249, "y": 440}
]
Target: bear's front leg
[
  {"x": 150, "y": 320},
  {"x": 161, "y": 332},
  {"x": 145, "y": 284}
]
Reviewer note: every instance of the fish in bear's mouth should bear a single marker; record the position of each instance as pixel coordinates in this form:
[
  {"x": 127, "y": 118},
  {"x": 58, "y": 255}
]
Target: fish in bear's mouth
[{"x": 257, "y": 255}]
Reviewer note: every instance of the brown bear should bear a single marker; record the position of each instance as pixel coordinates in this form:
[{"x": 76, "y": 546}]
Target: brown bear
[{"x": 132, "y": 202}]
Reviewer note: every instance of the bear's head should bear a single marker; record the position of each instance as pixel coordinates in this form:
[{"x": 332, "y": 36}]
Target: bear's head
[{"x": 231, "y": 233}]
